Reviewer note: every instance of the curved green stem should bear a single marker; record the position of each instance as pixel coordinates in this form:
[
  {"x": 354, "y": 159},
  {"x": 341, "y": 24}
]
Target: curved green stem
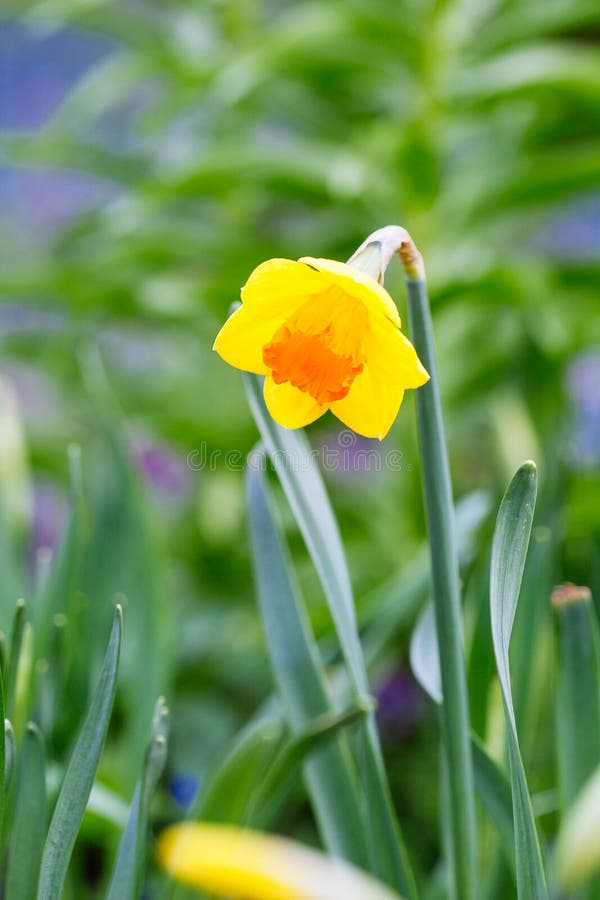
[{"x": 446, "y": 597}]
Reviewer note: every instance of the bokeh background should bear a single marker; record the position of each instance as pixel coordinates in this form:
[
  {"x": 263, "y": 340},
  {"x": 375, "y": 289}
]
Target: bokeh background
[{"x": 153, "y": 153}]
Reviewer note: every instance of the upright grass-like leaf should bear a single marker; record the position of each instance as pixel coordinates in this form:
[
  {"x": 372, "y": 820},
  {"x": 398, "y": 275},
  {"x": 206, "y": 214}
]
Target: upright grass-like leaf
[
  {"x": 9, "y": 752},
  {"x": 7, "y": 765},
  {"x": 509, "y": 550},
  {"x": 298, "y": 670},
  {"x": 13, "y": 580},
  {"x": 446, "y": 596},
  {"x": 491, "y": 784},
  {"x": 291, "y": 456},
  {"x": 3, "y": 757},
  {"x": 306, "y": 494},
  {"x": 125, "y": 558},
  {"x": 57, "y": 613},
  {"x": 261, "y": 770},
  {"x": 226, "y": 795},
  {"x": 537, "y": 584},
  {"x": 578, "y": 690},
  {"x": 29, "y": 826},
  {"x": 79, "y": 777},
  {"x": 125, "y": 883},
  {"x": 57, "y": 594},
  {"x": 16, "y": 644},
  {"x": 494, "y": 792},
  {"x": 19, "y": 670},
  {"x": 283, "y": 772}
]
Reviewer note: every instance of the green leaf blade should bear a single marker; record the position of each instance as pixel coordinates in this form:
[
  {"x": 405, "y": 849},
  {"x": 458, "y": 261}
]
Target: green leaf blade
[
  {"x": 300, "y": 678},
  {"x": 291, "y": 455},
  {"x": 509, "y": 551},
  {"x": 29, "y": 825},
  {"x": 5, "y": 750},
  {"x": 224, "y": 798},
  {"x": 306, "y": 494},
  {"x": 491, "y": 783},
  {"x": 125, "y": 881},
  {"x": 77, "y": 785}
]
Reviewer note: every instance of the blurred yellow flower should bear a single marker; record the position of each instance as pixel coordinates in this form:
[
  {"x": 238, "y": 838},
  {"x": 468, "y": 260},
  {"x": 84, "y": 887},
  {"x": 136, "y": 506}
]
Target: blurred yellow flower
[
  {"x": 325, "y": 336},
  {"x": 230, "y": 861}
]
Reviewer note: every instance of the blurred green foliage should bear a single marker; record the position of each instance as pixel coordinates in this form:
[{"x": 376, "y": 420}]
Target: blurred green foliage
[{"x": 224, "y": 133}]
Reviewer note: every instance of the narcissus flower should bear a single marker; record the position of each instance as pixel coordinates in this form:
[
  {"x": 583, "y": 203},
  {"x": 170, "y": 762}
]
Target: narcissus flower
[
  {"x": 226, "y": 860},
  {"x": 325, "y": 336}
]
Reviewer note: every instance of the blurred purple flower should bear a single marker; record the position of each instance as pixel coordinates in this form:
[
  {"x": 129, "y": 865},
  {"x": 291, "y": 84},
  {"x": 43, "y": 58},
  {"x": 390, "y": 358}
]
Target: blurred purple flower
[
  {"x": 163, "y": 468},
  {"x": 48, "y": 519},
  {"x": 17, "y": 318},
  {"x": 39, "y": 64},
  {"x": 583, "y": 385},
  {"x": 136, "y": 354},
  {"x": 37, "y": 397},
  {"x": 575, "y": 234},
  {"x": 31, "y": 91},
  {"x": 348, "y": 456},
  {"x": 44, "y": 198},
  {"x": 183, "y": 787},
  {"x": 400, "y": 705}
]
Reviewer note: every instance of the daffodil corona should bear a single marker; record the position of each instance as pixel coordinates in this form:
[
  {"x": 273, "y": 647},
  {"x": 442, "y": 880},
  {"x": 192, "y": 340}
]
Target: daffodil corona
[{"x": 325, "y": 336}]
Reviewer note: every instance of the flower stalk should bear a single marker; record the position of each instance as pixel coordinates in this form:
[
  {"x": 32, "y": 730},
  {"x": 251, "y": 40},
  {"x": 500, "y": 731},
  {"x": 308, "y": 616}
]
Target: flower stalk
[
  {"x": 446, "y": 594},
  {"x": 444, "y": 560}
]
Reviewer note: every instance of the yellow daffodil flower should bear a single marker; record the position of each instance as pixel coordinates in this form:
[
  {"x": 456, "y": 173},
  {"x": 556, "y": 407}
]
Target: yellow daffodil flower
[
  {"x": 325, "y": 336},
  {"x": 230, "y": 861}
]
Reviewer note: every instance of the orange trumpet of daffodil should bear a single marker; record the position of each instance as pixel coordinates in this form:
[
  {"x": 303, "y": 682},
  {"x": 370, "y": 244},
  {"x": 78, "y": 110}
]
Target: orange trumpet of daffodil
[{"x": 326, "y": 336}]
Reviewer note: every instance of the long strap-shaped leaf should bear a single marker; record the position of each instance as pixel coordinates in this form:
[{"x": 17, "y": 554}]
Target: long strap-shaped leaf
[
  {"x": 509, "y": 549},
  {"x": 282, "y": 775},
  {"x": 16, "y": 645},
  {"x": 490, "y": 782},
  {"x": 29, "y": 826},
  {"x": 79, "y": 777},
  {"x": 294, "y": 462},
  {"x": 306, "y": 494},
  {"x": 227, "y": 790},
  {"x": 126, "y": 876},
  {"x": 3, "y": 760},
  {"x": 300, "y": 678}
]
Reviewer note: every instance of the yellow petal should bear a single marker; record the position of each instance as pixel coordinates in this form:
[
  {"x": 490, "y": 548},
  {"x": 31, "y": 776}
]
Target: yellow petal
[
  {"x": 371, "y": 406},
  {"x": 290, "y": 406},
  {"x": 359, "y": 284},
  {"x": 241, "y": 340},
  {"x": 392, "y": 365},
  {"x": 273, "y": 292},
  {"x": 224, "y": 860},
  {"x": 278, "y": 286},
  {"x": 393, "y": 356},
  {"x": 229, "y": 861}
]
